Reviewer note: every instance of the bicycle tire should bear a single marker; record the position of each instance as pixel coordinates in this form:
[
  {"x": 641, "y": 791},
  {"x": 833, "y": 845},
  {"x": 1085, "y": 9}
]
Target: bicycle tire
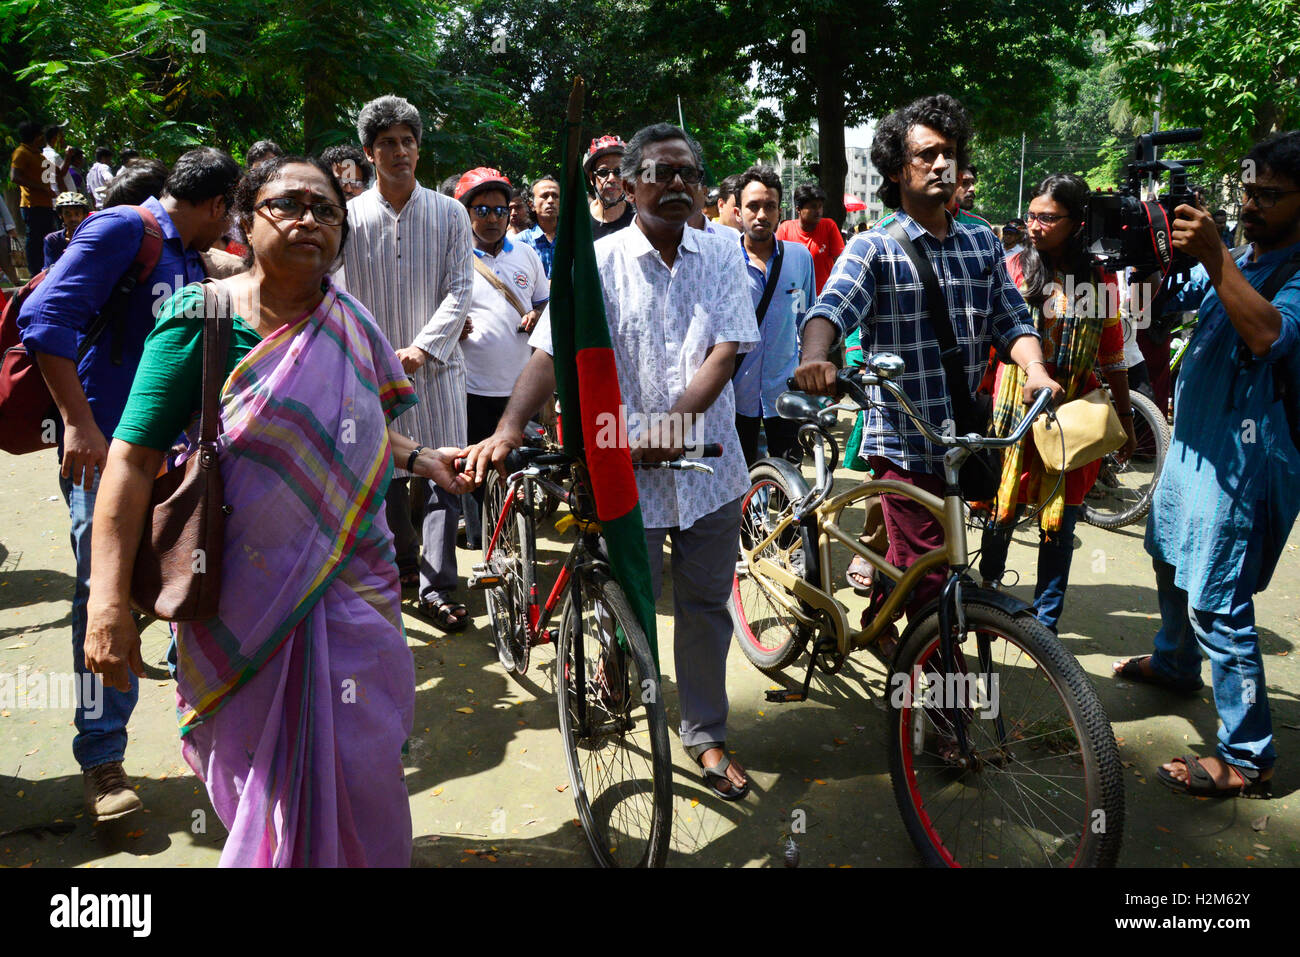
[
  {"x": 1049, "y": 675},
  {"x": 627, "y": 822},
  {"x": 762, "y": 629},
  {"x": 1152, "y": 431},
  {"x": 514, "y": 559}
]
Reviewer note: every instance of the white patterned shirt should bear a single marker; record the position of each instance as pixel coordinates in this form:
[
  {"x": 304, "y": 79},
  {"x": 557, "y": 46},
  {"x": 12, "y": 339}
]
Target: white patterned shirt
[
  {"x": 662, "y": 323},
  {"x": 414, "y": 271}
]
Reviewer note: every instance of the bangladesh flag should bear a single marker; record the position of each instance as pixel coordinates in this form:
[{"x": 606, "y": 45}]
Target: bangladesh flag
[{"x": 587, "y": 382}]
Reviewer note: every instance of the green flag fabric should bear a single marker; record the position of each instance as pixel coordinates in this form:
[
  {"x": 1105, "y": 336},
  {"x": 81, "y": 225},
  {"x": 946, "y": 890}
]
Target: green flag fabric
[{"x": 587, "y": 382}]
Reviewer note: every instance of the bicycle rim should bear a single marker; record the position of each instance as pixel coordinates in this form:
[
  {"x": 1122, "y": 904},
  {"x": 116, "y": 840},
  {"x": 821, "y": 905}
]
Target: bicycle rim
[
  {"x": 763, "y": 626},
  {"x": 507, "y": 602},
  {"x": 615, "y": 732},
  {"x": 1042, "y": 787},
  {"x": 1123, "y": 490}
]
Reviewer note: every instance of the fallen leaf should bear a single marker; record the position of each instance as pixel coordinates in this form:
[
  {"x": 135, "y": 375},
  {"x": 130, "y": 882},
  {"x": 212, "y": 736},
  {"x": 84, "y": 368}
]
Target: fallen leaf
[
  {"x": 1260, "y": 824},
  {"x": 1284, "y": 653},
  {"x": 839, "y": 740},
  {"x": 1165, "y": 829},
  {"x": 437, "y": 791},
  {"x": 561, "y": 788},
  {"x": 818, "y": 781},
  {"x": 31, "y": 752},
  {"x": 465, "y": 710},
  {"x": 1263, "y": 847},
  {"x": 490, "y": 857},
  {"x": 695, "y": 802},
  {"x": 139, "y": 833}
]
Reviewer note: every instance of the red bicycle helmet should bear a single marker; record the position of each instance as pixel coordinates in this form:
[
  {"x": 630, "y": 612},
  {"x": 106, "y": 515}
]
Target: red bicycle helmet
[
  {"x": 602, "y": 146},
  {"x": 479, "y": 179}
]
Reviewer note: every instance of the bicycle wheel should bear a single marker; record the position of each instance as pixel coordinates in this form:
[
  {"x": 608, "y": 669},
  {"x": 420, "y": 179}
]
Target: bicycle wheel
[
  {"x": 1042, "y": 786},
  {"x": 615, "y": 733},
  {"x": 513, "y": 558},
  {"x": 766, "y": 633},
  {"x": 1123, "y": 490}
]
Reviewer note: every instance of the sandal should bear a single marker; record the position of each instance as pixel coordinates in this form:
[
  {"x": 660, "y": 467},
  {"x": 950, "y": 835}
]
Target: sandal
[
  {"x": 1200, "y": 783},
  {"x": 1131, "y": 669},
  {"x": 716, "y": 774},
  {"x": 444, "y": 614},
  {"x": 860, "y": 568}
]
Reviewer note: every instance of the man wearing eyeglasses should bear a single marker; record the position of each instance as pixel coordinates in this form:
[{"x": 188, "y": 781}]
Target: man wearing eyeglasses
[
  {"x": 510, "y": 290},
  {"x": 679, "y": 311},
  {"x": 408, "y": 260},
  {"x": 610, "y": 210},
  {"x": 1228, "y": 496}
]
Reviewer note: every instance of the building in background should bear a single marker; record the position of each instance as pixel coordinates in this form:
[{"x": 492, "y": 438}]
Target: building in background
[{"x": 861, "y": 182}]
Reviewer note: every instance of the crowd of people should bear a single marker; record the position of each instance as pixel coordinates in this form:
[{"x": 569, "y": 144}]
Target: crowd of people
[{"x": 380, "y": 330}]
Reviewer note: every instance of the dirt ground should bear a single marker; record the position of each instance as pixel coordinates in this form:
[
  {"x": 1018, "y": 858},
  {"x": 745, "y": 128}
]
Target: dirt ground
[{"x": 486, "y": 771}]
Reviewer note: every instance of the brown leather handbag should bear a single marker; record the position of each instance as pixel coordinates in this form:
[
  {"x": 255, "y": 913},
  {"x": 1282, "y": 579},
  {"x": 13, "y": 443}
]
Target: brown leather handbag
[{"x": 177, "y": 574}]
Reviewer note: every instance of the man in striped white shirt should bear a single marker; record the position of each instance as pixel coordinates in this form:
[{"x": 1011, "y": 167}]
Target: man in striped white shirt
[{"x": 409, "y": 261}]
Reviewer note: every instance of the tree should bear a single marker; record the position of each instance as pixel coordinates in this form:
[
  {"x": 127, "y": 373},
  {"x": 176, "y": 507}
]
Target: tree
[
  {"x": 1231, "y": 68},
  {"x": 842, "y": 64}
]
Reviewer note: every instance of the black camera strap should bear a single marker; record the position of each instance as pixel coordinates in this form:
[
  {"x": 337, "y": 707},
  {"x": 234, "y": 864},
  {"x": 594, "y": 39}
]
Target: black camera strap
[{"x": 1161, "y": 234}]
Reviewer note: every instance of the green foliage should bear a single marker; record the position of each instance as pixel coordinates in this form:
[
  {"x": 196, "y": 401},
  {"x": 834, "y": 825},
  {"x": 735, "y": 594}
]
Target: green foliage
[{"x": 1232, "y": 68}]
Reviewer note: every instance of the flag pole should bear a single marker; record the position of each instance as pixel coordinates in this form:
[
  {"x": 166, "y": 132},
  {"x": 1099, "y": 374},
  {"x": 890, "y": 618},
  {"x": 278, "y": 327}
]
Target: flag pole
[
  {"x": 681, "y": 120},
  {"x": 573, "y": 121}
]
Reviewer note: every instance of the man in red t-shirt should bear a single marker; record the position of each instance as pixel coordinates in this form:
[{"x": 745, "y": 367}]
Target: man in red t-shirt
[{"x": 821, "y": 236}]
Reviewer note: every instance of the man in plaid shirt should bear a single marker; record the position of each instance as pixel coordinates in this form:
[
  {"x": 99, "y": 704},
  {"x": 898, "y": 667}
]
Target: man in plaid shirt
[{"x": 875, "y": 286}]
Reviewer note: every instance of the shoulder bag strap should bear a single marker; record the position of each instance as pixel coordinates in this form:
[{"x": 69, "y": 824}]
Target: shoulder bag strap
[
  {"x": 501, "y": 287},
  {"x": 216, "y": 332},
  {"x": 951, "y": 355},
  {"x": 769, "y": 290},
  {"x": 114, "y": 310}
]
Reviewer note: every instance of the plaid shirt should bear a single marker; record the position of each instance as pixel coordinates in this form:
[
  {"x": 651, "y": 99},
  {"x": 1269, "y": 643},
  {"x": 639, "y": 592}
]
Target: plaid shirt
[{"x": 875, "y": 286}]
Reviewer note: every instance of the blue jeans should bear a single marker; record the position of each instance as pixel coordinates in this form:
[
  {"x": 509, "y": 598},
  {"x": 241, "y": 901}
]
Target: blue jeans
[
  {"x": 1055, "y": 550},
  {"x": 101, "y": 724},
  {"x": 1231, "y": 643}
]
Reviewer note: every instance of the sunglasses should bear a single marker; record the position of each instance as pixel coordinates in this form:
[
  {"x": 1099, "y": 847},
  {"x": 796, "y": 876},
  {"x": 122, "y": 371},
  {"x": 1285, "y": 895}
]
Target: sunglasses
[
  {"x": 482, "y": 211},
  {"x": 287, "y": 208},
  {"x": 604, "y": 173},
  {"x": 664, "y": 173}
]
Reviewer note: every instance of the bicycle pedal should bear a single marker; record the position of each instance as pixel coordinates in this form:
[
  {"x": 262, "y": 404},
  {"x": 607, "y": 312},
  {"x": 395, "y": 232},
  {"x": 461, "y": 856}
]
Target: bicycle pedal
[
  {"x": 784, "y": 696},
  {"x": 481, "y": 579}
]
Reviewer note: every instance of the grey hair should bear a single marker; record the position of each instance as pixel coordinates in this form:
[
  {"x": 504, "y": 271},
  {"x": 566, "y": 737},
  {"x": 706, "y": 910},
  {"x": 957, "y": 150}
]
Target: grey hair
[
  {"x": 383, "y": 113},
  {"x": 655, "y": 133}
]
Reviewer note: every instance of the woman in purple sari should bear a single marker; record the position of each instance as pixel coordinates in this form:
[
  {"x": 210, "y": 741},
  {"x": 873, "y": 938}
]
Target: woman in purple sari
[{"x": 294, "y": 701}]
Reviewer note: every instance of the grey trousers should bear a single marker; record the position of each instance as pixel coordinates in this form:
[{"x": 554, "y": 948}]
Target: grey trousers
[
  {"x": 703, "y": 564},
  {"x": 438, "y": 560}
]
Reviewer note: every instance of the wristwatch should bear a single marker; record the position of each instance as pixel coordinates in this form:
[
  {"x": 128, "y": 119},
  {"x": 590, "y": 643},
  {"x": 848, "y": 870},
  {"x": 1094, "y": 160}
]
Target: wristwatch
[{"x": 410, "y": 459}]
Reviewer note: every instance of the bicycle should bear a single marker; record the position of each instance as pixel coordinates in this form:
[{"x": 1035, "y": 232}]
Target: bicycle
[
  {"x": 1000, "y": 754},
  {"x": 1123, "y": 490},
  {"x": 611, "y": 713}
]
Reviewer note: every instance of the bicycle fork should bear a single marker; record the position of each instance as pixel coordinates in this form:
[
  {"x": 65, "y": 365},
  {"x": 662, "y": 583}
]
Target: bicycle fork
[{"x": 952, "y": 632}]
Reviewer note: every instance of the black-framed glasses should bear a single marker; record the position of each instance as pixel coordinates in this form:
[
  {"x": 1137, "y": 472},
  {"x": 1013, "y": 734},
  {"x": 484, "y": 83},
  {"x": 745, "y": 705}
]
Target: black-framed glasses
[
  {"x": 1047, "y": 219},
  {"x": 664, "y": 173},
  {"x": 604, "y": 173},
  {"x": 482, "y": 210},
  {"x": 286, "y": 208},
  {"x": 1264, "y": 197}
]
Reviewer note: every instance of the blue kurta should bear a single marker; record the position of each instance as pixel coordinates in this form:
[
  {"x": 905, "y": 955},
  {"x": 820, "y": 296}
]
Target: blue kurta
[{"x": 1230, "y": 482}]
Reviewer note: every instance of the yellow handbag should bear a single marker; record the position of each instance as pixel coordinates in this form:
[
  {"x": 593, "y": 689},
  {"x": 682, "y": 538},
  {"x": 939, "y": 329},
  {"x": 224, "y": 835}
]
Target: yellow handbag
[{"x": 1091, "y": 428}]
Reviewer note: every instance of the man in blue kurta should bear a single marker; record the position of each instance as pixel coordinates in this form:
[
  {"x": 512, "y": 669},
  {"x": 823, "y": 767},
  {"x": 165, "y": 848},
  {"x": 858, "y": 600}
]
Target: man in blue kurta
[{"x": 1228, "y": 494}]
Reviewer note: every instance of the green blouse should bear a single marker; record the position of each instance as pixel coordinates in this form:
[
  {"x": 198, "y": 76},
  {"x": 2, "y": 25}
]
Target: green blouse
[{"x": 168, "y": 388}]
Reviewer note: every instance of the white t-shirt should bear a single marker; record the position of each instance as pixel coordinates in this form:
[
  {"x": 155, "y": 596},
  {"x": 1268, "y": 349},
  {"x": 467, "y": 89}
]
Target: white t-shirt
[{"x": 496, "y": 352}]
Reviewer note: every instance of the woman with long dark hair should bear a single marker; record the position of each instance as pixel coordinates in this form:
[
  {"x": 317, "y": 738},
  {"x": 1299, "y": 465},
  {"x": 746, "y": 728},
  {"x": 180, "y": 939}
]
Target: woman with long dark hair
[{"x": 1076, "y": 311}]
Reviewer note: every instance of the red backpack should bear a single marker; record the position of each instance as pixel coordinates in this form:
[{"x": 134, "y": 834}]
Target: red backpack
[{"x": 27, "y": 410}]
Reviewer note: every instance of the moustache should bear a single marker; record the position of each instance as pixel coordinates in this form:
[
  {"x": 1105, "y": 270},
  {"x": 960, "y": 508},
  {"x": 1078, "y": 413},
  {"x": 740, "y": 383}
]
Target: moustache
[{"x": 676, "y": 197}]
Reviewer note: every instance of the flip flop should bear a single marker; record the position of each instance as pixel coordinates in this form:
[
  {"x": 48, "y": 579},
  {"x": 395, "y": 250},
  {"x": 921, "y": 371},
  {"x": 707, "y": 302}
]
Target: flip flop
[
  {"x": 862, "y": 568},
  {"x": 1200, "y": 783},
  {"x": 1131, "y": 669},
  {"x": 717, "y": 773}
]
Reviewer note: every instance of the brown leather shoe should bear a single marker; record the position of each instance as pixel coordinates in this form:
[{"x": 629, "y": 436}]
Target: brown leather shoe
[{"x": 108, "y": 796}]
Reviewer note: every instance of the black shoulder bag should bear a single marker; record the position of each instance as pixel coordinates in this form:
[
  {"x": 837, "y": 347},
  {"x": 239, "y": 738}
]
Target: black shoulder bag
[
  {"x": 769, "y": 289},
  {"x": 981, "y": 472}
]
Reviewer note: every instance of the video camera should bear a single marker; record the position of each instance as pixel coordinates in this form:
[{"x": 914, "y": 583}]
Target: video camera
[{"x": 1126, "y": 230}]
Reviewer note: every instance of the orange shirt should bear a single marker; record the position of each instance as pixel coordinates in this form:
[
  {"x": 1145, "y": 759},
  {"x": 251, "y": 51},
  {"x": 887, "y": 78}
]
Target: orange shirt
[
  {"x": 31, "y": 164},
  {"x": 824, "y": 242}
]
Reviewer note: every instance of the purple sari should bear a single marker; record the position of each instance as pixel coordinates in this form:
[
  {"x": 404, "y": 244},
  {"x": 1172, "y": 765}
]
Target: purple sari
[{"x": 295, "y": 701}]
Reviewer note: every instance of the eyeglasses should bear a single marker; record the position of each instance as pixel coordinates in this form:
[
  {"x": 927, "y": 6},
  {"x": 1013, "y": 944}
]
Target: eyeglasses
[
  {"x": 664, "y": 173},
  {"x": 1047, "y": 219},
  {"x": 603, "y": 173},
  {"x": 1264, "y": 197},
  {"x": 286, "y": 208},
  {"x": 482, "y": 211}
]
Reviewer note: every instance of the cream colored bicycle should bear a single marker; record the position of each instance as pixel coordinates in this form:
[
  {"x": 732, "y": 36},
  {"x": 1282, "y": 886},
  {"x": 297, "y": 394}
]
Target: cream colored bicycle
[{"x": 1000, "y": 751}]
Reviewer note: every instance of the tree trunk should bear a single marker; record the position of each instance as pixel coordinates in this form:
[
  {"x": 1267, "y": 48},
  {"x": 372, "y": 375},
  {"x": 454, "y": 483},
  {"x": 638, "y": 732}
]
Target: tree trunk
[{"x": 830, "y": 119}]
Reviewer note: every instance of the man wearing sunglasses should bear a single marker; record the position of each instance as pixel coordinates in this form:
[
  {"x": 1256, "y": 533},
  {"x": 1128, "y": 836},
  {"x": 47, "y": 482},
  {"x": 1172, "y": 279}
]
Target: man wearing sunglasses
[
  {"x": 610, "y": 210},
  {"x": 510, "y": 290},
  {"x": 679, "y": 310},
  {"x": 1228, "y": 495}
]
